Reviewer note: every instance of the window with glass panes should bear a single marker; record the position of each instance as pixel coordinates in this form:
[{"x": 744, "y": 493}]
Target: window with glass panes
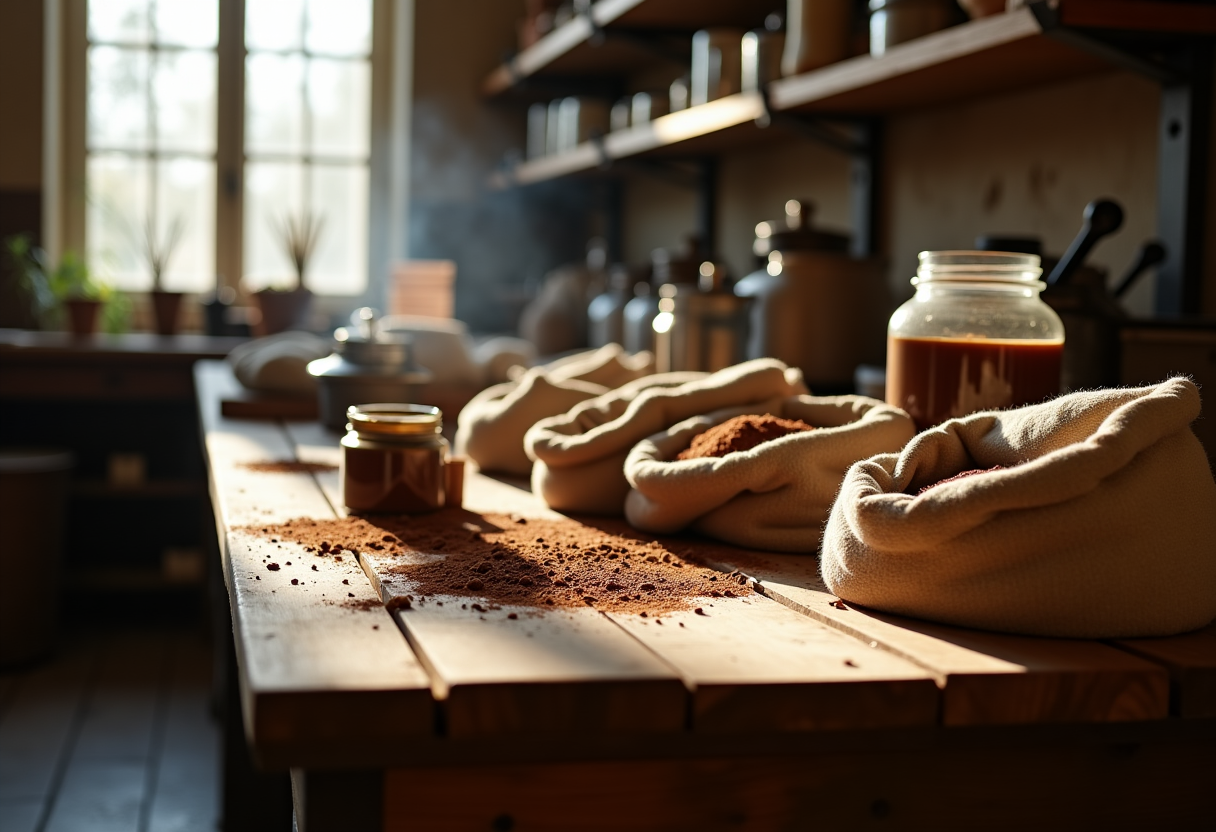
[{"x": 151, "y": 138}]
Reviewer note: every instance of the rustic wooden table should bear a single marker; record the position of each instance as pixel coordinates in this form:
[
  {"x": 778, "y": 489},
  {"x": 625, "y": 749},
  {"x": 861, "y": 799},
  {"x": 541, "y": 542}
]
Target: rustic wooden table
[{"x": 778, "y": 710}]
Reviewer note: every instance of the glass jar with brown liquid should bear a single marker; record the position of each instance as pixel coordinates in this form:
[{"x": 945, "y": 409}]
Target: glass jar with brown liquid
[
  {"x": 975, "y": 336},
  {"x": 393, "y": 458}
]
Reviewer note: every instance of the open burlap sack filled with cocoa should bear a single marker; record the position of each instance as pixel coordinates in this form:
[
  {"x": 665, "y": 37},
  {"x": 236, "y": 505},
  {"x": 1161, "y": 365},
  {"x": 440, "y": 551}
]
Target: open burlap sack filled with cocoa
[
  {"x": 1099, "y": 523},
  {"x": 580, "y": 455},
  {"x": 775, "y": 495},
  {"x": 491, "y": 427}
]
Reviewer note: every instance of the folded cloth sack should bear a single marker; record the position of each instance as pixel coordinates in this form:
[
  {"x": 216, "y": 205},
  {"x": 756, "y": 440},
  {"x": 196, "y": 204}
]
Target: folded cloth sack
[
  {"x": 580, "y": 455},
  {"x": 491, "y": 427},
  {"x": 279, "y": 363},
  {"x": 774, "y": 496},
  {"x": 1101, "y": 523}
]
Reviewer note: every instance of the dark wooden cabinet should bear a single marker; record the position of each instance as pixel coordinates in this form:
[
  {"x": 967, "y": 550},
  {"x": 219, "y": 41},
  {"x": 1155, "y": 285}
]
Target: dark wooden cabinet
[{"x": 124, "y": 406}]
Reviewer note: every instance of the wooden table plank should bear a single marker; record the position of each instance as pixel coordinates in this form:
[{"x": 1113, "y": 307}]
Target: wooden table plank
[
  {"x": 750, "y": 664},
  {"x": 566, "y": 671},
  {"x": 1009, "y": 778},
  {"x": 569, "y": 670},
  {"x": 1191, "y": 661},
  {"x": 754, "y": 666},
  {"x": 325, "y": 673},
  {"x": 987, "y": 678}
]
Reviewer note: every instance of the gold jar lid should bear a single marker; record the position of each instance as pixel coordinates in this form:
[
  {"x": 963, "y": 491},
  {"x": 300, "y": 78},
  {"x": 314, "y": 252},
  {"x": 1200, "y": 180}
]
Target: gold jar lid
[{"x": 392, "y": 419}]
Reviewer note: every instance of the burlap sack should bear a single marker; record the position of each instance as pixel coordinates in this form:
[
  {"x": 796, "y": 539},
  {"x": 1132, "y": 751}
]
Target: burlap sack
[
  {"x": 1101, "y": 525},
  {"x": 580, "y": 455},
  {"x": 491, "y": 427},
  {"x": 279, "y": 363},
  {"x": 775, "y": 496}
]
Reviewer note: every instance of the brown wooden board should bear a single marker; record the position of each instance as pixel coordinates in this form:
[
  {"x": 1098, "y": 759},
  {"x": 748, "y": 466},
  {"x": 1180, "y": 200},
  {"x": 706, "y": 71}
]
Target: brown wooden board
[
  {"x": 326, "y": 677},
  {"x": 1191, "y": 661},
  {"x": 991, "y": 55},
  {"x": 753, "y": 666},
  {"x": 556, "y": 673},
  {"x": 987, "y": 678},
  {"x": 964, "y": 779}
]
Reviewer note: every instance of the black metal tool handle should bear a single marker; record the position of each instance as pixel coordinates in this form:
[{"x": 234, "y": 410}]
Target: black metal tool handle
[
  {"x": 1150, "y": 254},
  {"x": 1102, "y": 216}
]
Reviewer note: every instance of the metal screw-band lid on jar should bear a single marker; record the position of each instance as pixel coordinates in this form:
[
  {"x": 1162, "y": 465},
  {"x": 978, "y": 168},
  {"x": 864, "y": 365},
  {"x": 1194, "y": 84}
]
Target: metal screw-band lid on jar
[{"x": 392, "y": 420}]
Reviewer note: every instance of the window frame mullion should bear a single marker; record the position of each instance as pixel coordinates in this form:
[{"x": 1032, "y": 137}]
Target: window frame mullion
[{"x": 229, "y": 148}]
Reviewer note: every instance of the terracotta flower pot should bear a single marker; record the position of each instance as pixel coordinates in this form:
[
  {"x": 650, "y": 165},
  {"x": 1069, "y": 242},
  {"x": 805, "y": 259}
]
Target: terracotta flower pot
[
  {"x": 82, "y": 315},
  {"x": 166, "y": 306},
  {"x": 281, "y": 311}
]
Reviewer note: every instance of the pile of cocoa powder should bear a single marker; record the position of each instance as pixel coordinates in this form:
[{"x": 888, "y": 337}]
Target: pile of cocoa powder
[
  {"x": 504, "y": 559},
  {"x": 288, "y": 466},
  {"x": 741, "y": 433},
  {"x": 961, "y": 475}
]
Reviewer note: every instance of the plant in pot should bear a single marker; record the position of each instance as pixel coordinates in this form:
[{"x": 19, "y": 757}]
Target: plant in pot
[
  {"x": 283, "y": 309},
  {"x": 66, "y": 293},
  {"x": 166, "y": 306}
]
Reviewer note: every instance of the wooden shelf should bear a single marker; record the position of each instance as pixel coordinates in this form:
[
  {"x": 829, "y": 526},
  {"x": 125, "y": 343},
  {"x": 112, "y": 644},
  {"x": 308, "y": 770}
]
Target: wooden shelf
[
  {"x": 992, "y": 55},
  {"x": 574, "y": 49},
  {"x": 708, "y": 128}
]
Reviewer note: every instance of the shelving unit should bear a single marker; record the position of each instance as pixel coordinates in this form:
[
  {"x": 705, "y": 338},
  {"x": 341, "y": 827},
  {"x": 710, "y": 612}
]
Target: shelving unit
[{"x": 1041, "y": 43}]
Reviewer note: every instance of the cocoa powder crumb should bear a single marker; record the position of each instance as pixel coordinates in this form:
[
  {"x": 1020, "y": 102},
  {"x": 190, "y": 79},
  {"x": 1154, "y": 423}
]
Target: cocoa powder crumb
[
  {"x": 273, "y": 567},
  {"x": 741, "y": 433},
  {"x": 960, "y": 476},
  {"x": 287, "y": 466},
  {"x": 504, "y": 563}
]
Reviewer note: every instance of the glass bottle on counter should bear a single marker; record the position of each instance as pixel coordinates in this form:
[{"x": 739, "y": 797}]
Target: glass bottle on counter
[{"x": 976, "y": 336}]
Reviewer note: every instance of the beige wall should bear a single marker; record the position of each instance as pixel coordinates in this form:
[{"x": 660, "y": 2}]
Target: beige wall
[
  {"x": 21, "y": 95},
  {"x": 1024, "y": 163}
]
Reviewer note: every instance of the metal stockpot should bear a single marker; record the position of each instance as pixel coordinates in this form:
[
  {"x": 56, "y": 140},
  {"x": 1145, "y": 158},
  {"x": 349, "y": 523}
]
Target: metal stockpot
[{"x": 698, "y": 330}]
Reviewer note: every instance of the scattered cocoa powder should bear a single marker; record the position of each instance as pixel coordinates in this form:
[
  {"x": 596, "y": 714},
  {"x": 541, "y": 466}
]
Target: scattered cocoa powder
[
  {"x": 288, "y": 466},
  {"x": 741, "y": 433},
  {"x": 599, "y": 562},
  {"x": 960, "y": 476}
]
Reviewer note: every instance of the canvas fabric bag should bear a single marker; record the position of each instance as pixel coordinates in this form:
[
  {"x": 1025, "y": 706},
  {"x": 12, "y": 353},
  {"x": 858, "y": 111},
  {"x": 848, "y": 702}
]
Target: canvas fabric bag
[
  {"x": 1101, "y": 525},
  {"x": 580, "y": 455},
  {"x": 491, "y": 427},
  {"x": 774, "y": 496}
]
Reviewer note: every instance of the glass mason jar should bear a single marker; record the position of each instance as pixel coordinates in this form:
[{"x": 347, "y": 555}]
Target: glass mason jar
[
  {"x": 393, "y": 458},
  {"x": 976, "y": 336}
]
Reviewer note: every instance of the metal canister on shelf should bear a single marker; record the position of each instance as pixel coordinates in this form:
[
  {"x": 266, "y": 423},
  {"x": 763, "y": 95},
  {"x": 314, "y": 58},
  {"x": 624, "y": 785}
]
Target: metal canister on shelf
[
  {"x": 815, "y": 307},
  {"x": 700, "y": 326},
  {"x": 761, "y": 59},
  {"x": 393, "y": 458},
  {"x": 538, "y": 131},
  {"x": 716, "y": 65},
  {"x": 639, "y": 313},
  {"x": 647, "y": 106},
  {"x": 896, "y": 21},
  {"x": 817, "y": 34},
  {"x": 581, "y": 119},
  {"x": 606, "y": 312}
]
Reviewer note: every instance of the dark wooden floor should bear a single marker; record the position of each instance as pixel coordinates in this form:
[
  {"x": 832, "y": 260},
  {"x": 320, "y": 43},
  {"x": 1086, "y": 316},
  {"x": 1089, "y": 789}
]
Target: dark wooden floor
[{"x": 114, "y": 732}]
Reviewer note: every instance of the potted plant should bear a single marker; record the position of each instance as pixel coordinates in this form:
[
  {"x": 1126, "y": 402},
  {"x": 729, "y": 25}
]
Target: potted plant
[
  {"x": 66, "y": 290},
  {"x": 284, "y": 309},
  {"x": 166, "y": 306}
]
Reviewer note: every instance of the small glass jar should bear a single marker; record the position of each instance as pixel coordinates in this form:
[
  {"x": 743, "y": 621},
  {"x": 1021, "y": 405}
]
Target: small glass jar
[
  {"x": 393, "y": 458},
  {"x": 976, "y": 336}
]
